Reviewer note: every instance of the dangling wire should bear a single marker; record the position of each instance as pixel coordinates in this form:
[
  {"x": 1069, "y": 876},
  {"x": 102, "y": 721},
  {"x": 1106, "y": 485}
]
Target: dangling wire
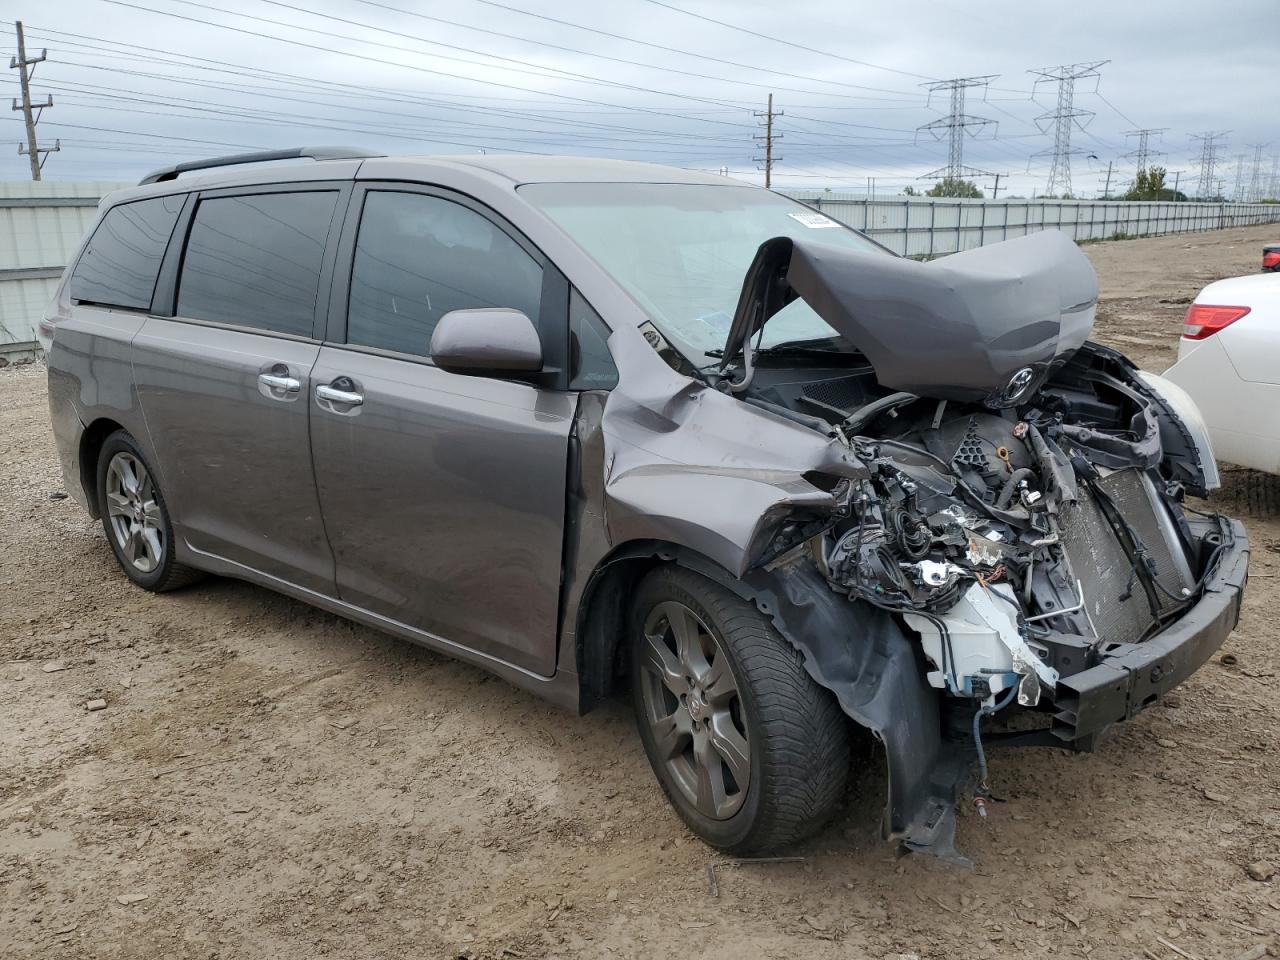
[{"x": 984, "y": 790}]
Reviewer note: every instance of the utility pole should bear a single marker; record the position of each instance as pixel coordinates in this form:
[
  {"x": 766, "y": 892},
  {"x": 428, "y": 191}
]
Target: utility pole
[
  {"x": 768, "y": 137},
  {"x": 1063, "y": 118},
  {"x": 1177, "y": 175},
  {"x": 995, "y": 191},
  {"x": 1207, "y": 182},
  {"x": 26, "y": 68},
  {"x": 955, "y": 123},
  {"x": 1106, "y": 190}
]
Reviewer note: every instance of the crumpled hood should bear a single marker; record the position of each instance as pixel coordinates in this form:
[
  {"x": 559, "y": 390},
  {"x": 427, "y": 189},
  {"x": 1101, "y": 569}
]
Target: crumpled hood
[{"x": 963, "y": 327}]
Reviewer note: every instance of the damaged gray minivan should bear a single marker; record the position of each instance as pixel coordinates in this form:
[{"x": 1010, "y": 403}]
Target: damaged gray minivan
[{"x": 595, "y": 425}]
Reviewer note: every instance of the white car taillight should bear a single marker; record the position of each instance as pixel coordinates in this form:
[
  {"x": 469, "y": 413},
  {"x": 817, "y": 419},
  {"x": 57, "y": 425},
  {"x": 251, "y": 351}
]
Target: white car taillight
[{"x": 1204, "y": 320}]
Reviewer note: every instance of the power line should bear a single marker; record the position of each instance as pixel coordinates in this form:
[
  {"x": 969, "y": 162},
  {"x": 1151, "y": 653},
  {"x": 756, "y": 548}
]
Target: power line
[
  {"x": 31, "y": 113},
  {"x": 415, "y": 121},
  {"x": 754, "y": 68},
  {"x": 538, "y": 70},
  {"x": 330, "y": 88},
  {"x": 393, "y": 63},
  {"x": 1065, "y": 117},
  {"x": 789, "y": 43}
]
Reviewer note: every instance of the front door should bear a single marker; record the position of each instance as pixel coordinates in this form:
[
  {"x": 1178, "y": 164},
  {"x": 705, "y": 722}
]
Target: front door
[
  {"x": 443, "y": 494},
  {"x": 225, "y": 383}
]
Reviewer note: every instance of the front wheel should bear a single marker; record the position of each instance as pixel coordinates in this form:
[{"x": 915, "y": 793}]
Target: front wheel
[{"x": 751, "y": 752}]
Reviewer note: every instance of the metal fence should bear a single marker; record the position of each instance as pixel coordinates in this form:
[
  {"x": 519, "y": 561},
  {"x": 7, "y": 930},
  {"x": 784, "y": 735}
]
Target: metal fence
[
  {"x": 41, "y": 224},
  {"x": 928, "y": 227}
]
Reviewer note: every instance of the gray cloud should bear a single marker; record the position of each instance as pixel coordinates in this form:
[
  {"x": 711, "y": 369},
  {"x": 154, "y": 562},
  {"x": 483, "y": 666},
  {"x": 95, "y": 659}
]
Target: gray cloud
[{"x": 347, "y": 71}]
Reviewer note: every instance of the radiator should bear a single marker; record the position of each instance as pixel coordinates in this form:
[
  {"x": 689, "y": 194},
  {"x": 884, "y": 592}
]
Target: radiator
[{"x": 1100, "y": 562}]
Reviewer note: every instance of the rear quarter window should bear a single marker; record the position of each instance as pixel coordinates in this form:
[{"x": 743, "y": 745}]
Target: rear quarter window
[{"x": 120, "y": 265}]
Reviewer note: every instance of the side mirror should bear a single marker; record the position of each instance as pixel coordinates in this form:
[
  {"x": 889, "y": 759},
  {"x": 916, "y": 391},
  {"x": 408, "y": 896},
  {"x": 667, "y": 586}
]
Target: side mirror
[{"x": 490, "y": 340}]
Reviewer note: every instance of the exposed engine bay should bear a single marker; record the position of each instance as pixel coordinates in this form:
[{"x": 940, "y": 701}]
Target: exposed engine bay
[
  {"x": 1024, "y": 526},
  {"x": 1013, "y": 541}
]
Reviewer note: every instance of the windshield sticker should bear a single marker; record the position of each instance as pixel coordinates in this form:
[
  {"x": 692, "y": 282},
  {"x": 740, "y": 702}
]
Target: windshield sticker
[{"x": 814, "y": 221}]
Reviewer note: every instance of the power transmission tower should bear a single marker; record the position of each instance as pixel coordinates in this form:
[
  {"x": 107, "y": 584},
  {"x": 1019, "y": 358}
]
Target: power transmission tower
[
  {"x": 1065, "y": 116},
  {"x": 1255, "y": 182},
  {"x": 768, "y": 137},
  {"x": 1142, "y": 155},
  {"x": 956, "y": 123},
  {"x": 1237, "y": 191},
  {"x": 1205, "y": 186},
  {"x": 26, "y": 68}
]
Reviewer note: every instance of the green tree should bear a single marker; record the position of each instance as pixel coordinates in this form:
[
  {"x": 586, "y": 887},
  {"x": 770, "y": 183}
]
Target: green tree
[
  {"x": 954, "y": 187},
  {"x": 910, "y": 192},
  {"x": 1149, "y": 185}
]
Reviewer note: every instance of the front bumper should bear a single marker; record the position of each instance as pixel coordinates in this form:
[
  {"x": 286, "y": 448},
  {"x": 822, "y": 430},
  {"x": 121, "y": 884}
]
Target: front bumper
[{"x": 1133, "y": 676}]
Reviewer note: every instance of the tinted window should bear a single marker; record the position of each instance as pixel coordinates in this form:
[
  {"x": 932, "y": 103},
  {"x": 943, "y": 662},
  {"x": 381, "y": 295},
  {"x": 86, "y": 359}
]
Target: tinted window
[
  {"x": 122, "y": 261},
  {"x": 593, "y": 367},
  {"x": 418, "y": 257},
  {"x": 255, "y": 261}
]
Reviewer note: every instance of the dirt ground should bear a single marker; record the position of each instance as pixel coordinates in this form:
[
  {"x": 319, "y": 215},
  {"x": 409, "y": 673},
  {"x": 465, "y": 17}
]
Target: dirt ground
[{"x": 270, "y": 781}]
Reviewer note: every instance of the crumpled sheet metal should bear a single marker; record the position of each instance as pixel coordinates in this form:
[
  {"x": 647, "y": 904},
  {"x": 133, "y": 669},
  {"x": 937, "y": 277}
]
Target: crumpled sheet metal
[
  {"x": 956, "y": 328},
  {"x": 689, "y": 466}
]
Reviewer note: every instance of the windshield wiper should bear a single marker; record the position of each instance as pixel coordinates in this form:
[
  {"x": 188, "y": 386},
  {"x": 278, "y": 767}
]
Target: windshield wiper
[{"x": 816, "y": 345}]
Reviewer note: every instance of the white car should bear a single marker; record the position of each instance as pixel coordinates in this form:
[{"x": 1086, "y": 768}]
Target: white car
[{"x": 1229, "y": 363}]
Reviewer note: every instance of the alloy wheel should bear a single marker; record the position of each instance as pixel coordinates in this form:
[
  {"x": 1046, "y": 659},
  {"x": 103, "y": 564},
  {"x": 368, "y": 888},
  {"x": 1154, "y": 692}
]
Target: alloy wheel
[
  {"x": 134, "y": 513},
  {"x": 694, "y": 710}
]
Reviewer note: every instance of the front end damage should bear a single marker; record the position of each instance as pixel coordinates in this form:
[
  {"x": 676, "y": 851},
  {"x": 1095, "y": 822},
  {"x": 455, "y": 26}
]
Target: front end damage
[
  {"x": 1031, "y": 565},
  {"x": 993, "y": 520}
]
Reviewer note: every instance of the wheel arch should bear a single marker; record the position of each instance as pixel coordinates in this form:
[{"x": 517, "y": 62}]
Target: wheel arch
[
  {"x": 91, "y": 441},
  {"x": 606, "y": 602}
]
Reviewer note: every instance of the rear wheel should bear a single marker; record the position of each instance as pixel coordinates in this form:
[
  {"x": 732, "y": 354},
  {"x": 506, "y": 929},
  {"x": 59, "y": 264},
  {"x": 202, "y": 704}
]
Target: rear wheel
[
  {"x": 751, "y": 752},
  {"x": 135, "y": 518}
]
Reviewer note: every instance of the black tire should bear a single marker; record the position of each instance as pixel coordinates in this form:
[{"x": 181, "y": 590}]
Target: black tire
[
  {"x": 167, "y": 573},
  {"x": 796, "y": 734},
  {"x": 1248, "y": 492}
]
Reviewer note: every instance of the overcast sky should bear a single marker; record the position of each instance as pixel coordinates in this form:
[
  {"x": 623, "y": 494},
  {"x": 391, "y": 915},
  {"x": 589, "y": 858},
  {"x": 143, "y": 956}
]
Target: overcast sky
[{"x": 142, "y": 83}]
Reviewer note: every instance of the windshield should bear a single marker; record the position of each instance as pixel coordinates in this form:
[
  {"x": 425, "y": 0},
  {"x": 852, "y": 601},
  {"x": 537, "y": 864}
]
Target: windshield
[{"x": 682, "y": 250}]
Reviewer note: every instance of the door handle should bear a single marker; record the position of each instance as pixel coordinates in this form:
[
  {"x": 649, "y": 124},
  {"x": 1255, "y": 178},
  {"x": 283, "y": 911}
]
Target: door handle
[
  {"x": 334, "y": 395},
  {"x": 275, "y": 382}
]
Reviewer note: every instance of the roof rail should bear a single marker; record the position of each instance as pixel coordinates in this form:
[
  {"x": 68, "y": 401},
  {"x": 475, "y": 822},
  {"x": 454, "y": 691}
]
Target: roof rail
[{"x": 294, "y": 153}]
